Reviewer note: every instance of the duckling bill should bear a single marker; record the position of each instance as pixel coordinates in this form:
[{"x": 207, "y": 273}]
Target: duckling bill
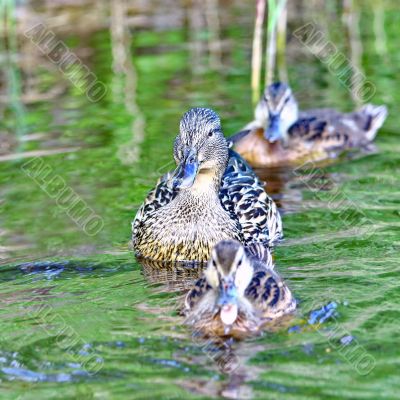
[
  {"x": 212, "y": 195},
  {"x": 281, "y": 135},
  {"x": 237, "y": 294}
]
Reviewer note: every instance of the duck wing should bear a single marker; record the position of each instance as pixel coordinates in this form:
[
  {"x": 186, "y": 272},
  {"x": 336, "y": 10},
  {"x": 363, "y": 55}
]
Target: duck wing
[
  {"x": 313, "y": 130},
  {"x": 158, "y": 197},
  {"x": 237, "y": 137},
  {"x": 243, "y": 195},
  {"x": 268, "y": 293},
  {"x": 196, "y": 293},
  {"x": 367, "y": 120},
  {"x": 260, "y": 255},
  {"x": 327, "y": 136},
  {"x": 334, "y": 130}
]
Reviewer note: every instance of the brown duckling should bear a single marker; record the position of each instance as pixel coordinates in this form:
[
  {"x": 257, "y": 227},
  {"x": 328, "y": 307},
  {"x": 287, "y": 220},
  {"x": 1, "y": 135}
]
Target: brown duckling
[{"x": 237, "y": 294}]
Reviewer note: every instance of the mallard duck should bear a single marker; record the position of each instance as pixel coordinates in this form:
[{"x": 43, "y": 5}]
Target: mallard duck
[
  {"x": 237, "y": 294},
  {"x": 212, "y": 195},
  {"x": 280, "y": 135}
]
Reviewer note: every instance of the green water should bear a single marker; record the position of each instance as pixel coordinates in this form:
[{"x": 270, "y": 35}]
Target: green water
[{"x": 93, "y": 323}]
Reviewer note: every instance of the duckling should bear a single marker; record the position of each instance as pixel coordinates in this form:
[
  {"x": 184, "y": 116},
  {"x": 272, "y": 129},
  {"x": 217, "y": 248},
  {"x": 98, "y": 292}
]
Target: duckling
[
  {"x": 237, "y": 294},
  {"x": 212, "y": 195},
  {"x": 280, "y": 135}
]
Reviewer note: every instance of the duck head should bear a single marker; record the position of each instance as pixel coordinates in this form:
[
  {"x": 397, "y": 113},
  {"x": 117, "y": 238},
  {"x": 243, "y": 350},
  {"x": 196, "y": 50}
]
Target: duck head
[
  {"x": 277, "y": 111},
  {"x": 229, "y": 272},
  {"x": 200, "y": 148}
]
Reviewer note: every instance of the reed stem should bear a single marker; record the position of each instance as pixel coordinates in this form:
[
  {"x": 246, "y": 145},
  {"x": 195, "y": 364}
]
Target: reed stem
[{"x": 256, "y": 59}]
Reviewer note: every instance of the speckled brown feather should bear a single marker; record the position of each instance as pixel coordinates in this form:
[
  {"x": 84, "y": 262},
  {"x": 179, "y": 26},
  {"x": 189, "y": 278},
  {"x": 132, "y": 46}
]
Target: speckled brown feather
[
  {"x": 242, "y": 211},
  {"x": 269, "y": 292},
  {"x": 331, "y": 130}
]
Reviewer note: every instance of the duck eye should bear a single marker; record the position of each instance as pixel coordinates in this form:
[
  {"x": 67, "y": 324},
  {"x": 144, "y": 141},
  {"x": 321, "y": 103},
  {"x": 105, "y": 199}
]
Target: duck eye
[{"x": 210, "y": 134}]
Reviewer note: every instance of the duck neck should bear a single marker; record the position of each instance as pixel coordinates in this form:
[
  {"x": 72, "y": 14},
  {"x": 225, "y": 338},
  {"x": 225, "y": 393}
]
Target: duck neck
[{"x": 206, "y": 186}]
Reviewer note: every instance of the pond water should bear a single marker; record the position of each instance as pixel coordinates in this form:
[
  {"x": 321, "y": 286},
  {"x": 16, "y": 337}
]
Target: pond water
[{"x": 81, "y": 318}]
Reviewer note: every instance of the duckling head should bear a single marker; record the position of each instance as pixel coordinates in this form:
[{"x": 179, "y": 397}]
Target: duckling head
[
  {"x": 200, "y": 148},
  {"x": 229, "y": 272},
  {"x": 277, "y": 111}
]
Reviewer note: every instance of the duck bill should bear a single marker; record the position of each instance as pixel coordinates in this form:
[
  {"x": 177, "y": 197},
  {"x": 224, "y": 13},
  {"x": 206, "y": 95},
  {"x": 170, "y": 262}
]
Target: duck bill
[
  {"x": 273, "y": 132},
  {"x": 186, "y": 172},
  {"x": 228, "y": 302}
]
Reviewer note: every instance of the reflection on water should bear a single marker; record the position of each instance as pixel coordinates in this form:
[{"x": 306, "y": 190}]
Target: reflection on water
[
  {"x": 177, "y": 276},
  {"x": 125, "y": 80},
  {"x": 157, "y": 59}
]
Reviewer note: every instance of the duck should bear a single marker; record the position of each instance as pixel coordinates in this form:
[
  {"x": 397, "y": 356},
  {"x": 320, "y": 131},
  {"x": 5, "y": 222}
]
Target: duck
[
  {"x": 212, "y": 195},
  {"x": 280, "y": 135},
  {"x": 237, "y": 295}
]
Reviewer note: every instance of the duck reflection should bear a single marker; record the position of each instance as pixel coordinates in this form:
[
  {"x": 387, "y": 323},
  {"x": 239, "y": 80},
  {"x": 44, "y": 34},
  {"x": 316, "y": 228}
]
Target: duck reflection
[
  {"x": 172, "y": 276},
  {"x": 287, "y": 186},
  {"x": 231, "y": 358}
]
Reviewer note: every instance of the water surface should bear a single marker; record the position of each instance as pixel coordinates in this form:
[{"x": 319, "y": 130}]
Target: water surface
[{"x": 81, "y": 318}]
